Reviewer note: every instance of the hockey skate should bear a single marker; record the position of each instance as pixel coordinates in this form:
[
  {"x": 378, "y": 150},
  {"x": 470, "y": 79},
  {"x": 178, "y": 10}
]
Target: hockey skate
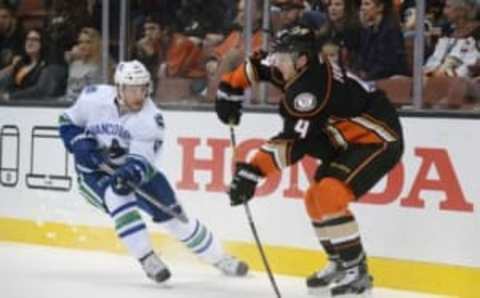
[
  {"x": 155, "y": 268},
  {"x": 231, "y": 266},
  {"x": 337, "y": 281},
  {"x": 319, "y": 282},
  {"x": 354, "y": 281}
]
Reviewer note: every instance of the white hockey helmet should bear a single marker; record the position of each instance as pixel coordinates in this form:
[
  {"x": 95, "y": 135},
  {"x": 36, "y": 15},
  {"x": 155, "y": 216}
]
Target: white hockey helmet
[
  {"x": 131, "y": 73},
  {"x": 128, "y": 75}
]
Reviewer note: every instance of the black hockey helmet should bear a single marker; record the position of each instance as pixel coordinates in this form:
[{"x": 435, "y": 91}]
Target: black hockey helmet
[{"x": 296, "y": 38}]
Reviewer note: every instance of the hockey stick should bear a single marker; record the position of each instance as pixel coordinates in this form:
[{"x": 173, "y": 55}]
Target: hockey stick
[
  {"x": 180, "y": 216},
  {"x": 253, "y": 228}
]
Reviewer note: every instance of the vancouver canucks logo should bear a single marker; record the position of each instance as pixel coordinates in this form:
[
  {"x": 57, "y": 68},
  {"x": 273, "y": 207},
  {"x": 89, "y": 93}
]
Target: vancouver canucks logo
[
  {"x": 305, "y": 102},
  {"x": 116, "y": 150},
  {"x": 112, "y": 129},
  {"x": 159, "y": 120}
]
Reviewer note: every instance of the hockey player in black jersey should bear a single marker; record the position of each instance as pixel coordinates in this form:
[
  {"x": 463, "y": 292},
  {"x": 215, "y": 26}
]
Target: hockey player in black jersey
[{"x": 329, "y": 114}]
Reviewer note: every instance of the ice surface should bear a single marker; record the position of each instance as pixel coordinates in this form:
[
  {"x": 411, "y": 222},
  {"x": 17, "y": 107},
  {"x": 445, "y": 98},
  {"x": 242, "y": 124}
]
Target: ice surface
[{"x": 48, "y": 272}]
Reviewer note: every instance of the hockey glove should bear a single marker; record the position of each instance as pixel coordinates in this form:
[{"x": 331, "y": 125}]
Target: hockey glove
[
  {"x": 244, "y": 183},
  {"x": 254, "y": 66},
  {"x": 128, "y": 176},
  {"x": 229, "y": 112},
  {"x": 87, "y": 154}
]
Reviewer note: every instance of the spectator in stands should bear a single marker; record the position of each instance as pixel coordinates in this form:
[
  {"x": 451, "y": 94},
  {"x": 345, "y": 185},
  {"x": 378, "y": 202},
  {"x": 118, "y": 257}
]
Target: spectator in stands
[
  {"x": 95, "y": 12},
  {"x": 202, "y": 16},
  {"x": 295, "y": 11},
  {"x": 286, "y": 12},
  {"x": 23, "y": 78},
  {"x": 234, "y": 42},
  {"x": 183, "y": 40},
  {"x": 229, "y": 13},
  {"x": 432, "y": 28},
  {"x": 455, "y": 57},
  {"x": 141, "y": 10},
  {"x": 340, "y": 35},
  {"x": 172, "y": 54},
  {"x": 457, "y": 51},
  {"x": 85, "y": 62},
  {"x": 35, "y": 74},
  {"x": 230, "y": 52},
  {"x": 147, "y": 48},
  {"x": 450, "y": 70},
  {"x": 182, "y": 62},
  {"x": 185, "y": 46},
  {"x": 183, "y": 56},
  {"x": 382, "y": 49},
  {"x": 434, "y": 16},
  {"x": 318, "y": 5},
  {"x": 11, "y": 36},
  {"x": 64, "y": 20}
]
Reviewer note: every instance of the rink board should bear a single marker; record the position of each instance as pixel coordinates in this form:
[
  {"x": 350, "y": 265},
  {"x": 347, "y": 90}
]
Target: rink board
[{"x": 420, "y": 226}]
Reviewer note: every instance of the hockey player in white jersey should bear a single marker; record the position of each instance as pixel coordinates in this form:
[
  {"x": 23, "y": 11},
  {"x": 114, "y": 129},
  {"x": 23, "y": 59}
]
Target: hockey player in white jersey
[{"x": 121, "y": 127}]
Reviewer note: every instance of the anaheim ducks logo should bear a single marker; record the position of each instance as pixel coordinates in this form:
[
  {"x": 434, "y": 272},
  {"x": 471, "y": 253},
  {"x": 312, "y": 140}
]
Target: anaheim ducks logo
[{"x": 305, "y": 102}]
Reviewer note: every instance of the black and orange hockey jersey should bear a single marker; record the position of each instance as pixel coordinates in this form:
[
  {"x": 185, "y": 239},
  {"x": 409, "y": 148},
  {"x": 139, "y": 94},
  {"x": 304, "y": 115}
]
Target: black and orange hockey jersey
[{"x": 324, "y": 99}]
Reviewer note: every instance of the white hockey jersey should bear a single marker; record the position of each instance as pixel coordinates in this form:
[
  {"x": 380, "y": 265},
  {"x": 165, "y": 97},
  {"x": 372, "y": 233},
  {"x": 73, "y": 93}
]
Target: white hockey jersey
[
  {"x": 138, "y": 134},
  {"x": 455, "y": 55}
]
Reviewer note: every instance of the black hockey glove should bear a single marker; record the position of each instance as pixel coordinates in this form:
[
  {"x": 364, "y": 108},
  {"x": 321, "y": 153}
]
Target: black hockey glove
[
  {"x": 254, "y": 66},
  {"x": 228, "y": 111},
  {"x": 244, "y": 183}
]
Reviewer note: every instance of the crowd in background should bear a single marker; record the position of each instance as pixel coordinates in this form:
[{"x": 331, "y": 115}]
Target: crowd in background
[{"x": 51, "y": 49}]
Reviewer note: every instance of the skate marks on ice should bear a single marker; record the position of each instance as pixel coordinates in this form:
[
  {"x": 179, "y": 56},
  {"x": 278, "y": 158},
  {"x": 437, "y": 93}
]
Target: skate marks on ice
[{"x": 46, "y": 272}]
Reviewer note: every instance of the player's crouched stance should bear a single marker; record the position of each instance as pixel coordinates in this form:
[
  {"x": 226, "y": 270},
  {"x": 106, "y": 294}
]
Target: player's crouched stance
[
  {"x": 330, "y": 115},
  {"x": 121, "y": 127}
]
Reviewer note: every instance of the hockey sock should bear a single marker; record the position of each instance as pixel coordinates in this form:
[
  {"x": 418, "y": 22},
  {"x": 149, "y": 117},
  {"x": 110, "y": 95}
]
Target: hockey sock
[
  {"x": 197, "y": 238},
  {"x": 129, "y": 225},
  {"x": 329, "y": 249},
  {"x": 342, "y": 238}
]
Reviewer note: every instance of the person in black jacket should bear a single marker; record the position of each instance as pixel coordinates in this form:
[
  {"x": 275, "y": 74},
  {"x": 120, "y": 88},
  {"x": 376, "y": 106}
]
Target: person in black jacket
[
  {"x": 11, "y": 35},
  {"x": 32, "y": 76},
  {"x": 339, "y": 37},
  {"x": 382, "y": 49}
]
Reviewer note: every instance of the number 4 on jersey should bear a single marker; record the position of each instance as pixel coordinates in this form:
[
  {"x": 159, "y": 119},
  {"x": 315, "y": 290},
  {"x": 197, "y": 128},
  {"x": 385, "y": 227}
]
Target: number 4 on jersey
[{"x": 302, "y": 127}]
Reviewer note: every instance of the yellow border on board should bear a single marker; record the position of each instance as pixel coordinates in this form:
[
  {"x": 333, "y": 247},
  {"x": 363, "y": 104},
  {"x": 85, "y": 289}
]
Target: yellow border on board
[{"x": 440, "y": 279}]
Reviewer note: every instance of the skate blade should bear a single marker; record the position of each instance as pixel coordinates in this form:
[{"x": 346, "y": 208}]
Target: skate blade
[
  {"x": 367, "y": 294},
  {"x": 323, "y": 292},
  {"x": 164, "y": 285}
]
